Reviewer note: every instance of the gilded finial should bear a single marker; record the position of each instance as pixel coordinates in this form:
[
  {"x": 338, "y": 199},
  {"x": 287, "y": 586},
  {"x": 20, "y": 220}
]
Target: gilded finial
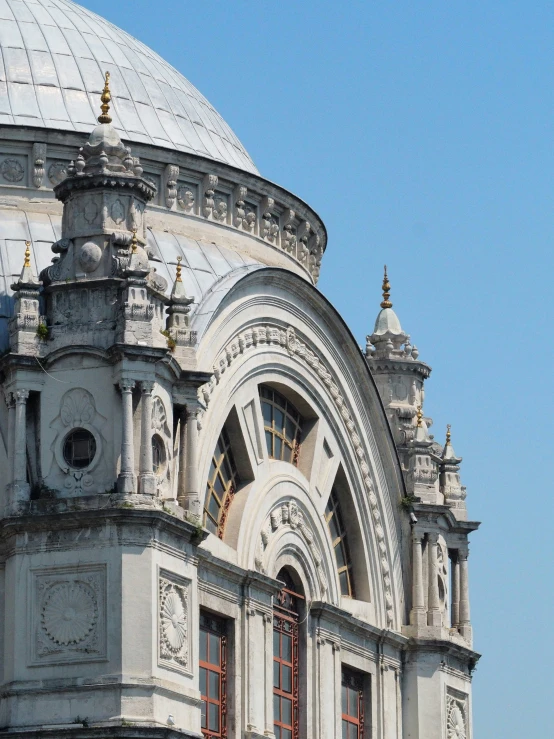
[
  {"x": 419, "y": 417},
  {"x": 134, "y": 242},
  {"x": 106, "y": 99},
  {"x": 178, "y": 270},
  {"x": 448, "y": 435},
  {"x": 27, "y": 262},
  {"x": 385, "y": 303}
]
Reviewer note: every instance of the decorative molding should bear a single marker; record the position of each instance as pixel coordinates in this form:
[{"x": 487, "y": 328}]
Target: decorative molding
[
  {"x": 288, "y": 515},
  {"x": 456, "y": 715},
  {"x": 12, "y": 170},
  {"x": 170, "y": 184},
  {"x": 276, "y": 336},
  {"x": 39, "y": 158},
  {"x": 68, "y": 614},
  {"x": 173, "y": 623}
]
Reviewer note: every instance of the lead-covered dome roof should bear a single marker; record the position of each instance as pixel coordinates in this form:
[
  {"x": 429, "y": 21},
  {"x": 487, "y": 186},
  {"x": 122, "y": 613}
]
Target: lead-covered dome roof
[{"x": 53, "y": 57}]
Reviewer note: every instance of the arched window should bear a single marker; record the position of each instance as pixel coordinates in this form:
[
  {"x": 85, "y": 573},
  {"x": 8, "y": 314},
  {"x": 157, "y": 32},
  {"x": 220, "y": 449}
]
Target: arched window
[
  {"x": 223, "y": 480},
  {"x": 286, "y": 618},
  {"x": 282, "y": 425},
  {"x": 338, "y": 537}
]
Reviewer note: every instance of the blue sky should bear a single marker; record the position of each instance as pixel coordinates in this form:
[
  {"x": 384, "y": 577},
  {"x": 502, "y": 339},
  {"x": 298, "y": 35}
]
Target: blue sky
[{"x": 423, "y": 134}]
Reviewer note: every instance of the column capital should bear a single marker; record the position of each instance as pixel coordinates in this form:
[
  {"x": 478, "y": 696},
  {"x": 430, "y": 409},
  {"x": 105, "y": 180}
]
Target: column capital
[
  {"x": 127, "y": 385},
  {"x": 146, "y": 387},
  {"x": 463, "y": 553},
  {"x": 432, "y": 537},
  {"x": 21, "y": 396},
  {"x": 417, "y": 536}
]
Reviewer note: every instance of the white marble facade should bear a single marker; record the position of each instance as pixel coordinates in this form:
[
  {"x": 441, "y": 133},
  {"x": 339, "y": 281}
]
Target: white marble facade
[{"x": 155, "y": 291}]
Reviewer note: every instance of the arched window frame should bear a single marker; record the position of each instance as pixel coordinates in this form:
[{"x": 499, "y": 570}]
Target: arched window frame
[
  {"x": 337, "y": 532},
  {"x": 223, "y": 480},
  {"x": 283, "y": 438}
]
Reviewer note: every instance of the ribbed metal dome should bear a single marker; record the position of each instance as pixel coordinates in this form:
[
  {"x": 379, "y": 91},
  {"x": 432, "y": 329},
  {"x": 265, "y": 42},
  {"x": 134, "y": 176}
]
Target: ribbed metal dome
[{"x": 53, "y": 57}]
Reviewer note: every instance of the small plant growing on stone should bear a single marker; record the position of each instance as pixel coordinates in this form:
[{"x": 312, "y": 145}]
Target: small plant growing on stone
[
  {"x": 171, "y": 343},
  {"x": 43, "y": 332},
  {"x": 407, "y": 502}
]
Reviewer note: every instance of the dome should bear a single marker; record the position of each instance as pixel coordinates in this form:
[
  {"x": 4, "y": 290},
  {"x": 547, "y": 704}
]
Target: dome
[
  {"x": 387, "y": 322},
  {"x": 54, "y": 56}
]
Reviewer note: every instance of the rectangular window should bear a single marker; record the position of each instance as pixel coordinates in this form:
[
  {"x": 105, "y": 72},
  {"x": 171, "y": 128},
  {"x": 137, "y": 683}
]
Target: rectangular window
[
  {"x": 213, "y": 676},
  {"x": 285, "y": 675},
  {"x": 352, "y": 704}
]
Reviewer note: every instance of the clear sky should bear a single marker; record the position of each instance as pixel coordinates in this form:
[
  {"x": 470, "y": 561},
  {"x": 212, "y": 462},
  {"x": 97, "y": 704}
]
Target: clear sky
[{"x": 423, "y": 134}]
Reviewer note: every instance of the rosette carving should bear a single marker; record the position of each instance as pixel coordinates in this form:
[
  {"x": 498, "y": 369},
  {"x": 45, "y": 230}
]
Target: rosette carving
[
  {"x": 173, "y": 624},
  {"x": 69, "y": 613}
]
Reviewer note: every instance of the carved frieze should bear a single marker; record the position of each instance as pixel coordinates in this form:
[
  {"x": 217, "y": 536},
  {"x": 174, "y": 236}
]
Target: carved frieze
[
  {"x": 173, "y": 622},
  {"x": 68, "y": 614}
]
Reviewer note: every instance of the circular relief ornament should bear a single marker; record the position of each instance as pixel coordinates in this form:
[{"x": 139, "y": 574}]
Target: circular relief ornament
[
  {"x": 456, "y": 722},
  {"x": 57, "y": 172},
  {"x": 90, "y": 256},
  {"x": 11, "y": 170},
  {"x": 69, "y": 613},
  {"x": 174, "y": 621}
]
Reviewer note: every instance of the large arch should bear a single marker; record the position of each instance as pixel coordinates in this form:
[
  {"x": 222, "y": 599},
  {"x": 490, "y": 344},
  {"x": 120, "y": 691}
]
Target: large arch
[{"x": 273, "y": 327}]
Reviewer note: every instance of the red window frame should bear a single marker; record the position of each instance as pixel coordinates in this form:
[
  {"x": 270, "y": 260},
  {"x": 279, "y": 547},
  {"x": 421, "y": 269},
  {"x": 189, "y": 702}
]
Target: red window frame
[
  {"x": 213, "y": 675},
  {"x": 352, "y": 699},
  {"x": 285, "y": 664}
]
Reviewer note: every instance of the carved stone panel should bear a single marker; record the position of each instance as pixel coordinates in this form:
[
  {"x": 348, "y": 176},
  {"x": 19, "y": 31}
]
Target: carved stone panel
[
  {"x": 12, "y": 170},
  {"x": 456, "y": 715},
  {"x": 68, "y": 614},
  {"x": 174, "y": 623}
]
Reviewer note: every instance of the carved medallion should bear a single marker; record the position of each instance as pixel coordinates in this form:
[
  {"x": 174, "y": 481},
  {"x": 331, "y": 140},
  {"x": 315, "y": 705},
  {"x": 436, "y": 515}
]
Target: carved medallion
[
  {"x": 456, "y": 721},
  {"x": 11, "y": 170},
  {"x": 173, "y": 624},
  {"x": 90, "y": 255},
  {"x": 69, "y": 613},
  {"x": 91, "y": 212},
  {"x": 185, "y": 198},
  {"x": 57, "y": 172},
  {"x": 117, "y": 212}
]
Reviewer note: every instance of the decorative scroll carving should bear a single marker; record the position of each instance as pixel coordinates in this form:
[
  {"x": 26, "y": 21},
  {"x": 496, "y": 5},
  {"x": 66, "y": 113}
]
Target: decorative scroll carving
[
  {"x": 12, "y": 170},
  {"x": 39, "y": 157},
  {"x": 210, "y": 183},
  {"x": 170, "y": 180},
  {"x": 456, "y": 715},
  {"x": 288, "y": 341},
  {"x": 173, "y": 627},
  {"x": 288, "y": 514},
  {"x": 68, "y": 614}
]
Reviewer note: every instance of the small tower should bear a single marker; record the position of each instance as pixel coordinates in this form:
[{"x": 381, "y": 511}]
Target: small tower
[
  {"x": 450, "y": 484},
  {"x": 25, "y": 325}
]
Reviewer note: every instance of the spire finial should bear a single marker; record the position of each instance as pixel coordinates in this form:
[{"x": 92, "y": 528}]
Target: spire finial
[
  {"x": 105, "y": 98},
  {"x": 134, "y": 242},
  {"x": 27, "y": 262},
  {"x": 178, "y": 270},
  {"x": 385, "y": 303},
  {"x": 448, "y": 435},
  {"x": 419, "y": 417}
]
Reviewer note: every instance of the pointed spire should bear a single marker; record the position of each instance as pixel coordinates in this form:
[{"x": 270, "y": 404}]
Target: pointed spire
[
  {"x": 106, "y": 99},
  {"x": 385, "y": 303},
  {"x": 178, "y": 270}
]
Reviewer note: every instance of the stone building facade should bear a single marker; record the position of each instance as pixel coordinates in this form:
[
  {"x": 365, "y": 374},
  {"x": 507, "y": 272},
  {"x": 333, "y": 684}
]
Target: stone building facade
[{"x": 219, "y": 516}]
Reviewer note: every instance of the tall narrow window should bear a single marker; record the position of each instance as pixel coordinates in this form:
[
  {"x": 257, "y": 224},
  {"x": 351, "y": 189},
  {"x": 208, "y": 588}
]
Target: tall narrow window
[
  {"x": 285, "y": 660},
  {"x": 223, "y": 480},
  {"x": 282, "y": 425},
  {"x": 352, "y": 705},
  {"x": 213, "y": 676},
  {"x": 338, "y": 537}
]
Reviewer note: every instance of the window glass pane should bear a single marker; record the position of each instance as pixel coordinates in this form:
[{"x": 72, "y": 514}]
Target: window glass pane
[
  {"x": 344, "y": 730},
  {"x": 277, "y": 730},
  {"x": 214, "y": 650},
  {"x": 344, "y": 699},
  {"x": 333, "y": 528},
  {"x": 213, "y": 716},
  {"x": 286, "y": 734},
  {"x": 203, "y": 715},
  {"x": 203, "y": 681},
  {"x": 269, "y": 442},
  {"x": 290, "y": 429},
  {"x": 286, "y": 711},
  {"x": 276, "y": 683},
  {"x": 339, "y": 553},
  {"x": 344, "y": 585},
  {"x": 286, "y": 646},
  {"x": 278, "y": 446},
  {"x": 213, "y": 507},
  {"x": 203, "y": 646},
  {"x": 211, "y": 472},
  {"x": 353, "y": 702},
  {"x": 214, "y": 685},
  {"x": 210, "y": 525},
  {"x": 276, "y": 643},
  {"x": 266, "y": 413},
  {"x": 288, "y": 455},
  {"x": 286, "y": 674},
  {"x": 279, "y": 419},
  {"x": 276, "y": 714},
  {"x": 219, "y": 487},
  {"x": 266, "y": 392}
]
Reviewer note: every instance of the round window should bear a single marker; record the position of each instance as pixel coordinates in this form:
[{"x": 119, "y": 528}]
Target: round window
[
  {"x": 79, "y": 448},
  {"x": 158, "y": 455}
]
